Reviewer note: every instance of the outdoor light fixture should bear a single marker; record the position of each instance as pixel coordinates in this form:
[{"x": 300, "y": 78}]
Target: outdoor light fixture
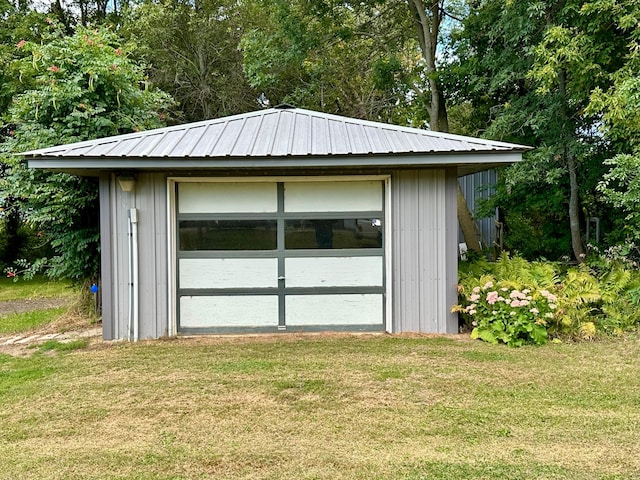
[{"x": 127, "y": 183}]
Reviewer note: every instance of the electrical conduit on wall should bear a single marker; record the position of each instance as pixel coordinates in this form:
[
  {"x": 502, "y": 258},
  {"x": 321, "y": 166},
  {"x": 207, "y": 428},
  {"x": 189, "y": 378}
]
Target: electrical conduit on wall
[{"x": 133, "y": 275}]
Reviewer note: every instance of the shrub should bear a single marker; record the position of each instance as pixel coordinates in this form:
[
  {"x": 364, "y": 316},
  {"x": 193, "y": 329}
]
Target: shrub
[
  {"x": 514, "y": 301},
  {"x": 508, "y": 315}
]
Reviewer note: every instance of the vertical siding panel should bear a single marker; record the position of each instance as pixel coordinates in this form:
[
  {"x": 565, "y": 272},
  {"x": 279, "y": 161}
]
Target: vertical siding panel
[
  {"x": 414, "y": 251},
  {"x": 162, "y": 256},
  {"x": 397, "y": 297},
  {"x": 398, "y": 272},
  {"x": 398, "y": 264},
  {"x": 429, "y": 244},
  {"x": 424, "y": 260},
  {"x": 151, "y": 198},
  {"x": 106, "y": 248},
  {"x": 424, "y": 250},
  {"x": 406, "y": 291},
  {"x": 432, "y": 245},
  {"x": 451, "y": 251},
  {"x": 443, "y": 244},
  {"x": 146, "y": 255},
  {"x": 123, "y": 201}
]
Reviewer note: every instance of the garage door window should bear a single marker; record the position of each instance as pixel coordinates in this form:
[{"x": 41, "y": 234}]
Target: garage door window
[
  {"x": 227, "y": 235},
  {"x": 333, "y": 233}
]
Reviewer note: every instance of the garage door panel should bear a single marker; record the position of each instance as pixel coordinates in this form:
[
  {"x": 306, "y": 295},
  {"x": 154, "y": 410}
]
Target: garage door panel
[
  {"x": 229, "y": 311},
  {"x": 228, "y": 272},
  {"x": 359, "y": 196},
  {"x": 347, "y": 309},
  {"x": 227, "y": 197},
  {"x": 334, "y": 271}
]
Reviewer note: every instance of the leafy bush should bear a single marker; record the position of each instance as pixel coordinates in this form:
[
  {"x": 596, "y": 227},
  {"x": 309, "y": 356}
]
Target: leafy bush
[
  {"x": 511, "y": 316},
  {"x": 516, "y": 302}
]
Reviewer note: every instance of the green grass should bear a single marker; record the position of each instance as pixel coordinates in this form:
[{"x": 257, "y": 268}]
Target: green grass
[
  {"x": 56, "y": 346},
  {"x": 38, "y": 287},
  {"x": 322, "y": 407},
  {"x": 24, "y": 322}
]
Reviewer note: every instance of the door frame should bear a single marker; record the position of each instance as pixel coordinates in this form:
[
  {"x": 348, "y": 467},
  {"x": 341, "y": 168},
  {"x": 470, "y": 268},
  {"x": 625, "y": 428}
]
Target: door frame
[{"x": 172, "y": 263}]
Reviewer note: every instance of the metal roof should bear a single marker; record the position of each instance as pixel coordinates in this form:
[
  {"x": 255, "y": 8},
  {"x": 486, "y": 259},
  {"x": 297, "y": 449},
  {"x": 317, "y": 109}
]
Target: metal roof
[{"x": 276, "y": 132}]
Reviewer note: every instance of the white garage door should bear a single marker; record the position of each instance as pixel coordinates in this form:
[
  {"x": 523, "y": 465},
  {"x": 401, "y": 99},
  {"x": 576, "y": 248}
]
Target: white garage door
[{"x": 268, "y": 256}]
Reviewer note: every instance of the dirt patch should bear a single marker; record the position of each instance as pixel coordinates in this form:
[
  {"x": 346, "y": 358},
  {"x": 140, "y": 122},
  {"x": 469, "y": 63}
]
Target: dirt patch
[{"x": 29, "y": 304}]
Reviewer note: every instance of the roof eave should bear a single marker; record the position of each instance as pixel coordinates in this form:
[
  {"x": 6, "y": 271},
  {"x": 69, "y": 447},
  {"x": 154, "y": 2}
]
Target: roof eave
[{"x": 463, "y": 161}]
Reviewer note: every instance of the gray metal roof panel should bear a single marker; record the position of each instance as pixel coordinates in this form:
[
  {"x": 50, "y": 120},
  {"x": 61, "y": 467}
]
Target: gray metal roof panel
[{"x": 276, "y": 132}]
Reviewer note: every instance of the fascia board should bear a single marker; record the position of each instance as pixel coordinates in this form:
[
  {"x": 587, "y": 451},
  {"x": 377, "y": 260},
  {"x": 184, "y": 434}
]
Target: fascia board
[{"x": 164, "y": 163}]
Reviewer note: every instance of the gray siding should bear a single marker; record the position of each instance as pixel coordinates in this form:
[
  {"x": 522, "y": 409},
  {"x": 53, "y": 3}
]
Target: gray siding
[
  {"x": 106, "y": 250},
  {"x": 150, "y": 198},
  {"x": 424, "y": 250},
  {"x": 423, "y": 257},
  {"x": 152, "y": 229},
  {"x": 472, "y": 187}
]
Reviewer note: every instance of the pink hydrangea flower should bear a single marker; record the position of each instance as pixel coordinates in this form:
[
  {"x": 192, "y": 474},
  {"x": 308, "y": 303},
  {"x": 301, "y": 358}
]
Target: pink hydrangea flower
[{"x": 492, "y": 297}]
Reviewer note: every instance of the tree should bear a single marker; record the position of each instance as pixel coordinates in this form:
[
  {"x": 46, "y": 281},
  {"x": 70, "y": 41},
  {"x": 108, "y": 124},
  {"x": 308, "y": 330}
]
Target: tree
[
  {"x": 352, "y": 58},
  {"x": 193, "y": 54},
  {"x": 619, "y": 107},
  {"x": 18, "y": 23},
  {"x": 82, "y": 86},
  {"x": 376, "y": 60},
  {"x": 531, "y": 68}
]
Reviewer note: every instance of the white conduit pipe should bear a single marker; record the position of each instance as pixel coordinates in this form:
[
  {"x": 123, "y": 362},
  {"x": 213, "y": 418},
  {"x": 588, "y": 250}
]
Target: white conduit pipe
[
  {"x": 133, "y": 219},
  {"x": 130, "y": 279}
]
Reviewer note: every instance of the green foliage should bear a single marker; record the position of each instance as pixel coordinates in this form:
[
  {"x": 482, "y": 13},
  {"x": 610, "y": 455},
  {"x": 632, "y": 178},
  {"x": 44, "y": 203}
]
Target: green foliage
[
  {"x": 192, "y": 49},
  {"x": 356, "y": 58},
  {"x": 79, "y": 87},
  {"x": 512, "y": 300},
  {"x": 529, "y": 70},
  {"x": 621, "y": 188}
]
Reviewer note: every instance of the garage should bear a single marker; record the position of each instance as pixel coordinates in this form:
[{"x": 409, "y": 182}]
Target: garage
[
  {"x": 278, "y": 220},
  {"x": 277, "y": 255}
]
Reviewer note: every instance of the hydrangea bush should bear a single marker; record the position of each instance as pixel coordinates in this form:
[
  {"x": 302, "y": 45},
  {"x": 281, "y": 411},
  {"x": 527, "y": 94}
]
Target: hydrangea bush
[{"x": 499, "y": 313}]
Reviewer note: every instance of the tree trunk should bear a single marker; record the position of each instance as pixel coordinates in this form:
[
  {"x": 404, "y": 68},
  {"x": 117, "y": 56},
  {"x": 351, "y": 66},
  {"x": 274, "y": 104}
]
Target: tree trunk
[
  {"x": 427, "y": 18},
  {"x": 574, "y": 197},
  {"x": 574, "y": 210},
  {"x": 12, "y": 226}
]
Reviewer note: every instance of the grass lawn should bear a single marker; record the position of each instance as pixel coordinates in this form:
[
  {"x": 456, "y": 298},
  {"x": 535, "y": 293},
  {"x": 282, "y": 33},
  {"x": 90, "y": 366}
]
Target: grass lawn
[
  {"x": 24, "y": 322},
  {"x": 28, "y": 305},
  {"x": 38, "y": 287},
  {"x": 322, "y": 407}
]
